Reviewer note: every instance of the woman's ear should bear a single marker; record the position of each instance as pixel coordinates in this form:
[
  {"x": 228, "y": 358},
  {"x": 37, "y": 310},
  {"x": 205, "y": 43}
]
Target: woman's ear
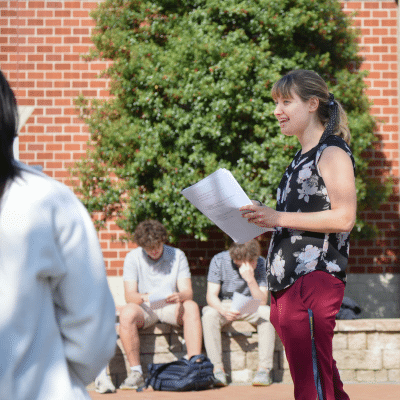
[{"x": 314, "y": 104}]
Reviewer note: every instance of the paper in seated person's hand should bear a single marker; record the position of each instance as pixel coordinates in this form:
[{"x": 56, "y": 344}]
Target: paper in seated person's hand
[
  {"x": 244, "y": 304},
  {"x": 158, "y": 298}
]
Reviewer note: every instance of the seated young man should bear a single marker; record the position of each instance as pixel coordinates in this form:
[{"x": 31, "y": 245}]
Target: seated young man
[
  {"x": 148, "y": 268},
  {"x": 242, "y": 270}
]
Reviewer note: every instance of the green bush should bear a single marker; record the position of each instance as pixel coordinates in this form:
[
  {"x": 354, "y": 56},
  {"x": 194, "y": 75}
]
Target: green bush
[{"x": 191, "y": 84}]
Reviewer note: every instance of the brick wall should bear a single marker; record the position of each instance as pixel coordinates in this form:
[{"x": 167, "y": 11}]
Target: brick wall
[
  {"x": 377, "y": 21},
  {"x": 40, "y": 47}
]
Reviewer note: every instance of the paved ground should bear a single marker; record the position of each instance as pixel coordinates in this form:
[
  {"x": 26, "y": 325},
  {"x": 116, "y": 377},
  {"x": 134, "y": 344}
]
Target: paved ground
[{"x": 278, "y": 391}]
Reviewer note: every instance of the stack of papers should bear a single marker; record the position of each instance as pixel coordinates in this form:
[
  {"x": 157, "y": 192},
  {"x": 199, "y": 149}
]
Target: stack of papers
[
  {"x": 158, "y": 299},
  {"x": 244, "y": 304},
  {"x": 219, "y": 197}
]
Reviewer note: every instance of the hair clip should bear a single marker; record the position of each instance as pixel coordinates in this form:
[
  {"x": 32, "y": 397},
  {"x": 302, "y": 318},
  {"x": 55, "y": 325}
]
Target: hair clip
[{"x": 331, "y": 99}]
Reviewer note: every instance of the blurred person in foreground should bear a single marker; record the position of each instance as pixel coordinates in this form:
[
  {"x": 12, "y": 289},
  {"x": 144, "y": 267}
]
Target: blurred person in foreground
[
  {"x": 57, "y": 315},
  {"x": 241, "y": 269}
]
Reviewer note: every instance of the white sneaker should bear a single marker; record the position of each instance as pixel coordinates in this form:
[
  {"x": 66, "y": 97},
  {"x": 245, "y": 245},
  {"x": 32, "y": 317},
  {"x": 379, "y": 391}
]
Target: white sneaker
[
  {"x": 220, "y": 378},
  {"x": 133, "y": 381},
  {"x": 103, "y": 384}
]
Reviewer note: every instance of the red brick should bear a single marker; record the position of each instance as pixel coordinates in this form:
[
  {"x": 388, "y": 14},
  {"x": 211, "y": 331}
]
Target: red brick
[
  {"x": 35, "y": 22},
  {"x": 72, "y": 57},
  {"x": 63, "y": 138},
  {"x": 8, "y": 49},
  {"x": 90, "y": 5},
  {"x": 53, "y": 147},
  {"x": 72, "y": 39},
  {"x": 62, "y": 13},
  {"x": 53, "y": 75},
  {"x": 110, "y": 254},
  {"x": 54, "y": 22},
  {"x": 87, "y": 22},
  {"x": 61, "y": 67},
  {"x": 70, "y": 22},
  {"x": 389, "y": 58},
  {"x": 61, "y": 174},
  {"x": 371, "y": 5},
  {"x": 80, "y": 14},
  {"x": 112, "y": 271},
  {"x": 380, "y": 32},
  {"x": 389, "y": 22},
  {"x": 53, "y": 57},
  {"x": 72, "y": 75},
  {"x": 44, "y": 84},
  {"x": 53, "y": 129},
  {"x": 81, "y": 138},
  {"x": 44, "y": 67},
  {"x": 26, "y": 156},
  {"x": 72, "y": 147},
  {"x": 54, "y": 93},
  {"x": 62, "y": 156},
  {"x": 81, "y": 31},
  {"x": 53, "y": 165},
  {"x": 44, "y": 13},
  {"x": 35, "y": 147},
  {"x": 75, "y": 93},
  {"x": 36, "y": 57},
  {"x": 62, "y": 120},
  {"x": 80, "y": 49}
]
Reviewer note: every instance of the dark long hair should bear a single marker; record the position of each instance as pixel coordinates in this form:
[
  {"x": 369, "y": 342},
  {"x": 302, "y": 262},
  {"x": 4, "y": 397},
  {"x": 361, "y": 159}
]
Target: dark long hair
[{"x": 8, "y": 131}]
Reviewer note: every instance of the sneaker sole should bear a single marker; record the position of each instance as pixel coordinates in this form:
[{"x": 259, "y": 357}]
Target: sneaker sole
[
  {"x": 128, "y": 387},
  {"x": 105, "y": 391}
]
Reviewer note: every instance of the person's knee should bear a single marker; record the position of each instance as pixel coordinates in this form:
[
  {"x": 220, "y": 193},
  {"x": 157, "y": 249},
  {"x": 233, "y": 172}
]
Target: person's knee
[
  {"x": 263, "y": 313},
  {"x": 210, "y": 314},
  {"x": 130, "y": 314},
  {"x": 191, "y": 309}
]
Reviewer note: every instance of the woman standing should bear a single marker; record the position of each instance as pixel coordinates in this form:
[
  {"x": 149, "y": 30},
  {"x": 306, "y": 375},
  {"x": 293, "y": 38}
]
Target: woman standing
[{"x": 315, "y": 212}]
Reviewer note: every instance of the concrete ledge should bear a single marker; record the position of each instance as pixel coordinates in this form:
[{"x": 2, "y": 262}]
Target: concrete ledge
[
  {"x": 368, "y": 325},
  {"x": 365, "y": 351}
]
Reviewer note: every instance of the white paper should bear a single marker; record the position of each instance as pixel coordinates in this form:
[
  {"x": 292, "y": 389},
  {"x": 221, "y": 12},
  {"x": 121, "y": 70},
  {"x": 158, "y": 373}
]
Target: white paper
[
  {"x": 219, "y": 197},
  {"x": 158, "y": 299},
  {"x": 244, "y": 304}
]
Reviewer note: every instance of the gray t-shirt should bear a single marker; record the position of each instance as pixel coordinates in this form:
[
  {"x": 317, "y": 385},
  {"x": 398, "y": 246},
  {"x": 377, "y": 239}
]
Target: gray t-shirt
[
  {"x": 224, "y": 272},
  {"x": 150, "y": 274}
]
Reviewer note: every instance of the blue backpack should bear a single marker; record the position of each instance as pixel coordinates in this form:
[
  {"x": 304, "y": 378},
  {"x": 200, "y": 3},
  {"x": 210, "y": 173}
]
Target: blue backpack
[{"x": 181, "y": 375}]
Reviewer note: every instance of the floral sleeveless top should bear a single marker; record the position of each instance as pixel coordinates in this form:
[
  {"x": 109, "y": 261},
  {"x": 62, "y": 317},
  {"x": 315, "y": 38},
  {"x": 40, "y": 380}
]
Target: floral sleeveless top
[{"x": 294, "y": 253}]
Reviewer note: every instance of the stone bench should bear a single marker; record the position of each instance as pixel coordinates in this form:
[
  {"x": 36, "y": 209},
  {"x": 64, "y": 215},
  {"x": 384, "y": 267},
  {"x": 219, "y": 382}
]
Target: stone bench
[
  {"x": 366, "y": 350},
  {"x": 163, "y": 343}
]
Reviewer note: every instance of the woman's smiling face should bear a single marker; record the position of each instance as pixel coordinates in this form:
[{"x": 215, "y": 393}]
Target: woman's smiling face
[{"x": 293, "y": 114}]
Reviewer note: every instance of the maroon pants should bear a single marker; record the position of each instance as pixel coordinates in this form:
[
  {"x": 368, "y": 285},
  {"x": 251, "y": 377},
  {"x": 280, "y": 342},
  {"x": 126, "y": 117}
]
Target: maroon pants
[{"x": 323, "y": 294}]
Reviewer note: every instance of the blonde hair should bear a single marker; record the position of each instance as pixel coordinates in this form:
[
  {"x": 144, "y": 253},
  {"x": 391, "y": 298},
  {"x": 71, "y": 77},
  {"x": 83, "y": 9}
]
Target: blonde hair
[
  {"x": 307, "y": 84},
  {"x": 248, "y": 251}
]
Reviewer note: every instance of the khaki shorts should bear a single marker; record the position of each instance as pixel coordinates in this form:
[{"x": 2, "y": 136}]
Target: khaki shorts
[{"x": 166, "y": 314}]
